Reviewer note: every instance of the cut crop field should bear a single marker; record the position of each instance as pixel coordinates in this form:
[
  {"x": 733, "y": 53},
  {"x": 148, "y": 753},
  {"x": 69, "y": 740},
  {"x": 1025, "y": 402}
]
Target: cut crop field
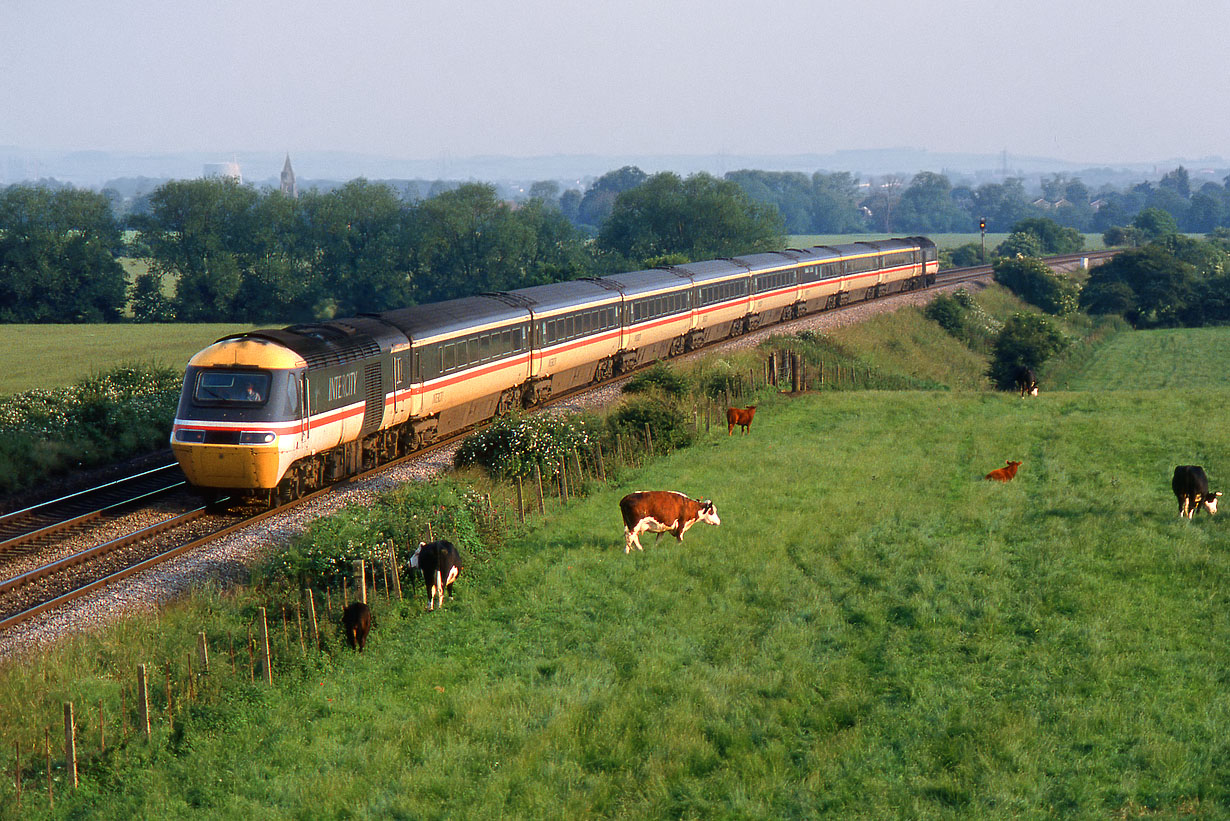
[
  {"x": 53, "y": 356},
  {"x": 1176, "y": 358}
]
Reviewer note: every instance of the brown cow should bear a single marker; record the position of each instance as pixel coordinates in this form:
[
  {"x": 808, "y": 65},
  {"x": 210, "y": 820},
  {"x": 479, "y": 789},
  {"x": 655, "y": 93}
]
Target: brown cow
[
  {"x": 1003, "y": 474},
  {"x": 357, "y": 622},
  {"x": 662, "y": 511},
  {"x": 741, "y": 417}
]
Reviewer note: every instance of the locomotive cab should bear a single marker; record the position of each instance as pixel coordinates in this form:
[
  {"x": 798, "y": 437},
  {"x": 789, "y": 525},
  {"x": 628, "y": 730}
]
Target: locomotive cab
[{"x": 239, "y": 424}]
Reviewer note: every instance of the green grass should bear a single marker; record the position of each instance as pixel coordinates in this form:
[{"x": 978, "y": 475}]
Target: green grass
[
  {"x": 1173, "y": 359},
  {"x": 52, "y": 356},
  {"x": 873, "y": 632}
]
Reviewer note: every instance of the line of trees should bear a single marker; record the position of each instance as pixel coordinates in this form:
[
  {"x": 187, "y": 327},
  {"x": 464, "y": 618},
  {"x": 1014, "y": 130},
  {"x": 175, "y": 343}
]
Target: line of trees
[{"x": 221, "y": 251}]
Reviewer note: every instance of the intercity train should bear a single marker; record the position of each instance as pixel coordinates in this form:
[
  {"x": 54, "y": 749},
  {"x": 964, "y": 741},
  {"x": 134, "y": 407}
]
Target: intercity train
[{"x": 281, "y": 412}]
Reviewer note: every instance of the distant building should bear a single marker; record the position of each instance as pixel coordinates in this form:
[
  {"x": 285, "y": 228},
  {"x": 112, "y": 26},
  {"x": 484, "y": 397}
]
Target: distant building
[
  {"x": 289, "y": 187},
  {"x": 223, "y": 170}
]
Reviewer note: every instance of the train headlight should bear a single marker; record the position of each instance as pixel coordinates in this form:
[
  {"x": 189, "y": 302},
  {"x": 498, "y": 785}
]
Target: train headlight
[
  {"x": 193, "y": 436},
  {"x": 256, "y": 437}
]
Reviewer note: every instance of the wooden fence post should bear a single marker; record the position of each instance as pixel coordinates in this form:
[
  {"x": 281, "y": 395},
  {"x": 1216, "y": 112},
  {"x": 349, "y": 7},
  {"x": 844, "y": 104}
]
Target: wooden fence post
[
  {"x": 360, "y": 579},
  {"x": 70, "y": 745},
  {"x": 396, "y": 569},
  {"x": 601, "y": 465},
  {"x": 520, "y": 500},
  {"x": 265, "y": 659},
  {"x": 51, "y": 799},
  {"x": 648, "y": 442},
  {"x": 170, "y": 705},
  {"x": 312, "y": 609},
  {"x": 299, "y": 618},
  {"x": 143, "y": 701},
  {"x": 542, "y": 505},
  {"x": 202, "y": 652}
]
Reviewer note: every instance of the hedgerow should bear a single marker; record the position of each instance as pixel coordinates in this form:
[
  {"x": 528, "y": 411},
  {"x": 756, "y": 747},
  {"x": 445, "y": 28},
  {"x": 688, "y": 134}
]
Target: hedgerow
[
  {"x": 120, "y": 413},
  {"x": 512, "y": 445}
]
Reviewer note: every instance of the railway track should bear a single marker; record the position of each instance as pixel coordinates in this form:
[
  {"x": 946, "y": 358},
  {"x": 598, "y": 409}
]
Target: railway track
[
  {"x": 67, "y": 576},
  {"x": 26, "y": 529}
]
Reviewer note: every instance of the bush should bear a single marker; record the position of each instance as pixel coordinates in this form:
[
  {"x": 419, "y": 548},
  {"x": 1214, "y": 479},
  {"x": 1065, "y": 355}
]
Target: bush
[
  {"x": 669, "y": 426},
  {"x": 963, "y": 318},
  {"x": 1035, "y": 283},
  {"x": 513, "y": 444},
  {"x": 658, "y": 377},
  {"x": 326, "y": 551},
  {"x": 1027, "y": 340},
  {"x": 121, "y": 413}
]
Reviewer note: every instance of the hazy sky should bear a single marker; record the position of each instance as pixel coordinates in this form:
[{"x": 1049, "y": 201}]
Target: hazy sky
[{"x": 1082, "y": 80}]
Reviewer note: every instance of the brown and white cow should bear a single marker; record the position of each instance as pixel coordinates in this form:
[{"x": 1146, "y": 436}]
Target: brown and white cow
[
  {"x": 1191, "y": 488},
  {"x": 662, "y": 511},
  {"x": 741, "y": 417}
]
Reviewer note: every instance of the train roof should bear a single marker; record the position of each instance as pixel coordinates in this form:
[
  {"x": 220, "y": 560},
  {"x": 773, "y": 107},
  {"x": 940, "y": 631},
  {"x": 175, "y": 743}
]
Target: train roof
[
  {"x": 556, "y": 296},
  {"x": 709, "y": 270},
  {"x": 422, "y": 322},
  {"x": 320, "y": 344},
  {"x": 643, "y": 282},
  {"x": 777, "y": 259}
]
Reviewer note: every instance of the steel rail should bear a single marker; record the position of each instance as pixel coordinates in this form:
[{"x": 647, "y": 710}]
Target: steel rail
[
  {"x": 50, "y": 530},
  {"x": 32, "y": 508}
]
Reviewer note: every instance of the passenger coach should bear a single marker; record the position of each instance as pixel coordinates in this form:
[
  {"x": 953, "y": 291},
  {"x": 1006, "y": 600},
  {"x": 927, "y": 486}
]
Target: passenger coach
[{"x": 277, "y": 413}]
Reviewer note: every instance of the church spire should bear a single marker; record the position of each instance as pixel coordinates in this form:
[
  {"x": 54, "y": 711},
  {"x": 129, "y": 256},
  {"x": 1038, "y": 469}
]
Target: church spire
[{"x": 289, "y": 187}]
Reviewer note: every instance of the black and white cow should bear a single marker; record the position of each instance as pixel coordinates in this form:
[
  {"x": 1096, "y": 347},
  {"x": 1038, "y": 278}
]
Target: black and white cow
[
  {"x": 440, "y": 563},
  {"x": 1191, "y": 488},
  {"x": 1025, "y": 381}
]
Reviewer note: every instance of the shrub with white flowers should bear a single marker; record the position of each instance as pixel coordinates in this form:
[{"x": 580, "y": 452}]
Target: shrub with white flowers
[{"x": 513, "y": 444}]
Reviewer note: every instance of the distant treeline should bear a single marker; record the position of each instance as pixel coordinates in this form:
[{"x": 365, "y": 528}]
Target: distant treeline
[{"x": 217, "y": 250}]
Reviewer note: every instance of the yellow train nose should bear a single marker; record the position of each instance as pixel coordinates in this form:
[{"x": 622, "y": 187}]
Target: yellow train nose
[{"x": 228, "y": 466}]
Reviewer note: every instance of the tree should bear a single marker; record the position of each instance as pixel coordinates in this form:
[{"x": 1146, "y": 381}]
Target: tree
[
  {"x": 835, "y": 204},
  {"x": 1026, "y": 340},
  {"x": 198, "y": 233},
  {"x": 360, "y": 247},
  {"x": 1019, "y": 244},
  {"x": 1162, "y": 287},
  {"x": 468, "y": 241},
  {"x": 57, "y": 256},
  {"x": 1052, "y": 237},
  {"x": 701, "y": 217},
  {"x": 1034, "y": 282},
  {"x": 1154, "y": 223},
  {"x": 599, "y": 199},
  {"x": 546, "y": 191},
  {"x": 927, "y": 205}
]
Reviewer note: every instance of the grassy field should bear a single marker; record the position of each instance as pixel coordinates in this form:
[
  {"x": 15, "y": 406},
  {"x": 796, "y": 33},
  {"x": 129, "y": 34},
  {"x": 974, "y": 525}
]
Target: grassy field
[
  {"x": 1165, "y": 359},
  {"x": 52, "y": 356},
  {"x": 873, "y": 632}
]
